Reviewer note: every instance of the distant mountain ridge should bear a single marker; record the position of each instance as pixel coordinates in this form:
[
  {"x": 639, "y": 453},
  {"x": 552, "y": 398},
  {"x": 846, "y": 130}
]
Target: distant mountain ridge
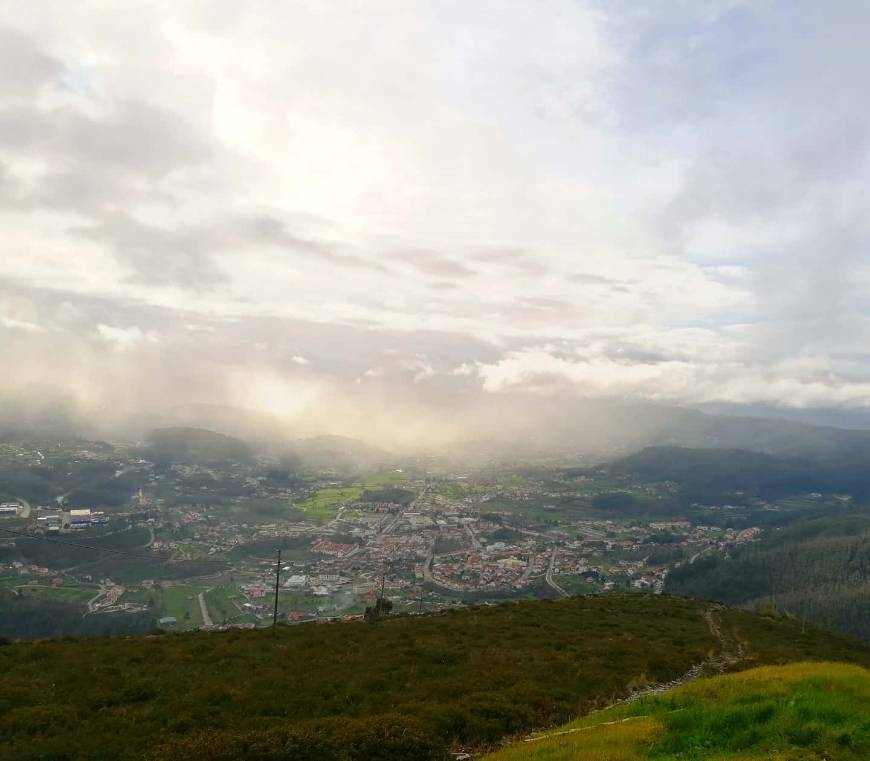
[
  {"x": 491, "y": 426},
  {"x": 760, "y": 473},
  {"x": 195, "y": 445},
  {"x": 546, "y": 425}
]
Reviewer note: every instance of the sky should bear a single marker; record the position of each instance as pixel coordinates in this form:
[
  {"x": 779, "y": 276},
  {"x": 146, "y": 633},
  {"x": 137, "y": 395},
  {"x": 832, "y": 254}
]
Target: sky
[{"x": 351, "y": 210}]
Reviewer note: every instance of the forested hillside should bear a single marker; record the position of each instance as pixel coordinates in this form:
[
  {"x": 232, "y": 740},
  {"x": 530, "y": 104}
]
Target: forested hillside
[
  {"x": 818, "y": 570},
  {"x": 708, "y": 474},
  {"x": 195, "y": 445},
  {"x": 409, "y": 687}
]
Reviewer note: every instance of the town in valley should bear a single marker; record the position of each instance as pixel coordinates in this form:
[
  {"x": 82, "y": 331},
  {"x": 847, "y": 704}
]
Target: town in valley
[{"x": 194, "y": 545}]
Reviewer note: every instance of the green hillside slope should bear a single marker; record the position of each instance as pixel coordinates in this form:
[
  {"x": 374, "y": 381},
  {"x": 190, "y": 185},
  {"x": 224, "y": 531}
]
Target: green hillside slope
[
  {"x": 403, "y": 688},
  {"x": 818, "y": 569},
  {"x": 798, "y": 712}
]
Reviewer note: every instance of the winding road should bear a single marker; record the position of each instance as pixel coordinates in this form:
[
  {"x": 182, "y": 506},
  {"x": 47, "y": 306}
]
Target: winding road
[
  {"x": 25, "y": 507},
  {"x": 549, "y": 576}
]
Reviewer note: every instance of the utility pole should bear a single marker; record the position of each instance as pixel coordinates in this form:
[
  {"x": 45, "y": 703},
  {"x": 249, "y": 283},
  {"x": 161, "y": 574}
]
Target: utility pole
[
  {"x": 421, "y": 598},
  {"x": 277, "y": 586}
]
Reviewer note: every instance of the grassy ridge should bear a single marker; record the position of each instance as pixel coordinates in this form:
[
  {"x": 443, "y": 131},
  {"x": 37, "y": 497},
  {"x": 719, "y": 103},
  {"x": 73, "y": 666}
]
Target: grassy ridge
[
  {"x": 807, "y": 711},
  {"x": 415, "y": 685}
]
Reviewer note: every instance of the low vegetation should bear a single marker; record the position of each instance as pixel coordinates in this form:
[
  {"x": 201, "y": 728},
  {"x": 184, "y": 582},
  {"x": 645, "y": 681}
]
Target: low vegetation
[{"x": 399, "y": 687}]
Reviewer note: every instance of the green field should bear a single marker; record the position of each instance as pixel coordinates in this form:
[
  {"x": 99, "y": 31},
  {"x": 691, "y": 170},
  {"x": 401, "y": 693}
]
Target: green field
[
  {"x": 323, "y": 506},
  {"x": 7, "y": 582},
  {"x": 224, "y": 603},
  {"x": 76, "y": 593},
  {"x": 386, "y": 478},
  {"x": 149, "y": 597},
  {"x": 803, "y": 711},
  {"x": 182, "y": 603},
  {"x": 577, "y": 585}
]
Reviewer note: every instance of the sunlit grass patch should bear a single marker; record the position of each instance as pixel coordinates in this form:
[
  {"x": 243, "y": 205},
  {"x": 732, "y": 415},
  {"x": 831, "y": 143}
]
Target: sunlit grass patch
[
  {"x": 323, "y": 506},
  {"x": 801, "y": 711},
  {"x": 385, "y": 478},
  {"x": 622, "y": 741}
]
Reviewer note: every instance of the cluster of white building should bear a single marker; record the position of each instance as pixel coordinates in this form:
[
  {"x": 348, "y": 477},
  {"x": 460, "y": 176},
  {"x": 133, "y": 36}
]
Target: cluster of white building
[
  {"x": 57, "y": 519},
  {"x": 9, "y": 509}
]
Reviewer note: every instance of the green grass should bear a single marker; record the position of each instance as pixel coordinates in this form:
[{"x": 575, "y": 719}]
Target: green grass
[
  {"x": 806, "y": 711},
  {"x": 224, "y": 605},
  {"x": 7, "y": 582},
  {"x": 69, "y": 592},
  {"x": 386, "y": 478},
  {"x": 323, "y": 506},
  {"x": 182, "y": 603},
  {"x": 577, "y": 585},
  {"x": 76, "y": 593}
]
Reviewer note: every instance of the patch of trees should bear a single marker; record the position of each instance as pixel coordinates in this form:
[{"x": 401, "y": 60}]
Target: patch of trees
[
  {"x": 625, "y": 503},
  {"x": 266, "y": 548},
  {"x": 382, "y": 607},
  {"x": 106, "y": 492},
  {"x": 26, "y": 617},
  {"x": 55, "y": 554},
  {"x": 281, "y": 475},
  {"x": 33, "y": 484},
  {"x": 818, "y": 570},
  {"x": 195, "y": 446},
  {"x": 389, "y": 494},
  {"x": 506, "y": 535}
]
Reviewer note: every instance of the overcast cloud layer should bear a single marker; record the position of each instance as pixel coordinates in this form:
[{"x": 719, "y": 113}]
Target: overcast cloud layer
[{"x": 284, "y": 205}]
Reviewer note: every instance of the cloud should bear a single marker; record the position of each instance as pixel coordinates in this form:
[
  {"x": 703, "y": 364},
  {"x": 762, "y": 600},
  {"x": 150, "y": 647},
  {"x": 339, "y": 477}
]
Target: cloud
[
  {"x": 807, "y": 382},
  {"x": 154, "y": 254},
  {"x": 25, "y": 66},
  {"x": 12, "y": 323},
  {"x": 124, "y": 338},
  {"x": 433, "y": 263},
  {"x": 665, "y": 203},
  {"x": 464, "y": 370}
]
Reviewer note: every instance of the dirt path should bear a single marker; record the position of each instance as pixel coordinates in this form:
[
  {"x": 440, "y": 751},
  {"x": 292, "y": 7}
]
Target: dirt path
[
  {"x": 730, "y": 653},
  {"x": 203, "y": 608}
]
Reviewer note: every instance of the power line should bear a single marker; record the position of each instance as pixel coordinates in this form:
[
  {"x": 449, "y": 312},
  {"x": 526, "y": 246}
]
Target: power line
[
  {"x": 277, "y": 588},
  {"x": 95, "y": 548}
]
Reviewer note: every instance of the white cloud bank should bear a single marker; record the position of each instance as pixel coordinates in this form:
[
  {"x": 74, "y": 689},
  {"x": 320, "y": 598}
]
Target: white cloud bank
[{"x": 659, "y": 201}]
